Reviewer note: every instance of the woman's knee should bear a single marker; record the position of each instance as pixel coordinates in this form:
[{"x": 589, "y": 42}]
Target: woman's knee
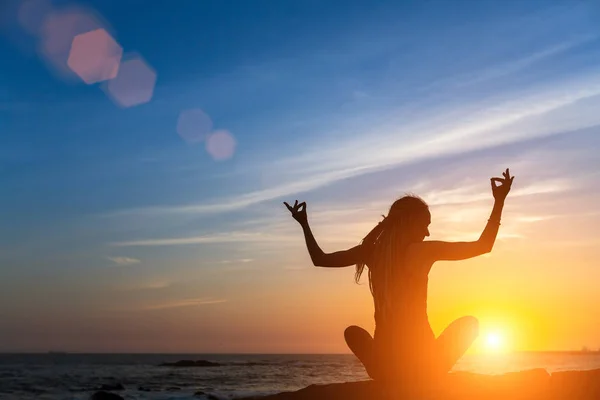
[
  {"x": 354, "y": 331},
  {"x": 471, "y": 322},
  {"x": 350, "y": 330},
  {"x": 470, "y": 325}
]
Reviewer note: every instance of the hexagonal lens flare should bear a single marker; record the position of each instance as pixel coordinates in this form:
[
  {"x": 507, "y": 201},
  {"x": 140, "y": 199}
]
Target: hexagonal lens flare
[
  {"x": 194, "y": 125},
  {"x": 134, "y": 84},
  {"x": 221, "y": 145},
  {"x": 95, "y": 56}
]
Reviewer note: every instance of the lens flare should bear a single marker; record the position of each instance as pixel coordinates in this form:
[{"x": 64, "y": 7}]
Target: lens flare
[
  {"x": 95, "y": 56},
  {"x": 220, "y": 145},
  {"x": 194, "y": 125},
  {"x": 134, "y": 84}
]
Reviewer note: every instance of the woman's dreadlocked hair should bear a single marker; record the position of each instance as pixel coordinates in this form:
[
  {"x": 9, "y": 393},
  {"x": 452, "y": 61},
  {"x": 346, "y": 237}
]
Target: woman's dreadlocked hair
[{"x": 384, "y": 247}]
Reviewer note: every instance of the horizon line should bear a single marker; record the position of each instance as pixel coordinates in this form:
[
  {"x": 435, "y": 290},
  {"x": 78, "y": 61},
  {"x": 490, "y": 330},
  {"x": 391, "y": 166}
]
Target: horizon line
[{"x": 2, "y": 353}]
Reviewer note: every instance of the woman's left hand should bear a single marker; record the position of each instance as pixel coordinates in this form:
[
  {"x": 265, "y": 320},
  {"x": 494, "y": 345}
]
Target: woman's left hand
[{"x": 501, "y": 191}]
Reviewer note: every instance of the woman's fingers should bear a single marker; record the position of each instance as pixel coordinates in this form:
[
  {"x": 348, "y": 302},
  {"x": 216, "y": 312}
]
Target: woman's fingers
[
  {"x": 292, "y": 209},
  {"x": 494, "y": 180},
  {"x": 296, "y": 208}
]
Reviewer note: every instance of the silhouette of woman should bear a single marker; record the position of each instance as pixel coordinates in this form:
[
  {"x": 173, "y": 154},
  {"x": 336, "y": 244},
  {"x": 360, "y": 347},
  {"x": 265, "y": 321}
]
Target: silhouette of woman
[{"x": 399, "y": 259}]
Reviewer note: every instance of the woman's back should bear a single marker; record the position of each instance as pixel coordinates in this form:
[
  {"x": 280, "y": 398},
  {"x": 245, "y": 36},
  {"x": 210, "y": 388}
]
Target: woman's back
[{"x": 405, "y": 312}]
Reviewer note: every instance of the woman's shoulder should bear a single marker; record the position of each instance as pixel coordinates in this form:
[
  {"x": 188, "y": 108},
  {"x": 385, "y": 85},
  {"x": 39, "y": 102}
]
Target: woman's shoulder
[{"x": 419, "y": 252}]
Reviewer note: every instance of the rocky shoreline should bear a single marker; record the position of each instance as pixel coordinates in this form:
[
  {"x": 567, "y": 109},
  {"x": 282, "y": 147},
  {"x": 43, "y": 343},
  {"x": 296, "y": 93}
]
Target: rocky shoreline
[
  {"x": 526, "y": 385},
  {"x": 536, "y": 384}
]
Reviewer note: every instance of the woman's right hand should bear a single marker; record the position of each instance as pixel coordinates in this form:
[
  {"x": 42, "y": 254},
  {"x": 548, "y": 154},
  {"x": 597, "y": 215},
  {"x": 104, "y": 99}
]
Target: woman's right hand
[
  {"x": 298, "y": 212},
  {"x": 501, "y": 191}
]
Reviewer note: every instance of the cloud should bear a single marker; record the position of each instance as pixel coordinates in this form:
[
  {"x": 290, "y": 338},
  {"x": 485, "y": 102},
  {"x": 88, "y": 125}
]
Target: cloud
[
  {"x": 124, "y": 260},
  {"x": 183, "y": 303},
  {"x": 519, "y": 64},
  {"x": 534, "y": 218},
  {"x": 227, "y": 237},
  {"x": 475, "y": 193},
  {"x": 543, "y": 111},
  {"x": 349, "y": 222},
  {"x": 241, "y": 260}
]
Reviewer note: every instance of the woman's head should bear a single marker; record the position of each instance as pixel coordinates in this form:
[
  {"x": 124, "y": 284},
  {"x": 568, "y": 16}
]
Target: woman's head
[
  {"x": 411, "y": 215},
  {"x": 407, "y": 222}
]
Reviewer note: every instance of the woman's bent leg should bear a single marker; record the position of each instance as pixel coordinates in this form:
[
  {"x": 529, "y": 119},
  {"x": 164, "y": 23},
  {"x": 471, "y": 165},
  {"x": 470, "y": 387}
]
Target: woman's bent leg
[
  {"x": 363, "y": 346},
  {"x": 454, "y": 341}
]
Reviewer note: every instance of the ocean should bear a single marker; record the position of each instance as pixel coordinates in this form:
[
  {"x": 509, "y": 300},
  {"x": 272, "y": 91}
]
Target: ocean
[{"x": 77, "y": 376}]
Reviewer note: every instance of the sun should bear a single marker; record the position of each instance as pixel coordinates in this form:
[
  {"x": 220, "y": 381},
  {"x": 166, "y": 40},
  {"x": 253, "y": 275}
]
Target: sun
[{"x": 494, "y": 342}]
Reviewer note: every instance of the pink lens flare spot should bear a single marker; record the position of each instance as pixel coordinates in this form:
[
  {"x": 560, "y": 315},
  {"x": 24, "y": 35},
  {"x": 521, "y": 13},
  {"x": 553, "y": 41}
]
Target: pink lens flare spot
[
  {"x": 194, "y": 125},
  {"x": 220, "y": 145},
  {"x": 57, "y": 33},
  {"x": 134, "y": 84},
  {"x": 31, "y": 14},
  {"x": 95, "y": 56}
]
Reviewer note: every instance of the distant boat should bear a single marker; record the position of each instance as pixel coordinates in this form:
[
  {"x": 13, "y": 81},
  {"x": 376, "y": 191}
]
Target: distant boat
[{"x": 587, "y": 350}]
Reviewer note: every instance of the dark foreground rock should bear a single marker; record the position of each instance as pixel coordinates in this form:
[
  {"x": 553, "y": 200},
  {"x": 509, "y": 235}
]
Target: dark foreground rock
[
  {"x": 191, "y": 363},
  {"x": 111, "y": 386},
  {"x": 102, "y": 395},
  {"x": 526, "y": 385}
]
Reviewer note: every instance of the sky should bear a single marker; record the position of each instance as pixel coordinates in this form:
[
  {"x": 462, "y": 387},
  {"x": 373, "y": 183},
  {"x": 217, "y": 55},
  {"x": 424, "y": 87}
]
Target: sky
[{"x": 145, "y": 153}]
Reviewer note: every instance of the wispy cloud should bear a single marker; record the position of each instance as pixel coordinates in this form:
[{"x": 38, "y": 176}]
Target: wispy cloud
[
  {"x": 349, "y": 222},
  {"x": 157, "y": 285},
  {"x": 228, "y": 237},
  {"x": 534, "y": 218},
  {"x": 182, "y": 303},
  {"x": 540, "y": 112},
  {"x": 475, "y": 193},
  {"x": 241, "y": 260},
  {"x": 124, "y": 260},
  {"x": 519, "y": 64}
]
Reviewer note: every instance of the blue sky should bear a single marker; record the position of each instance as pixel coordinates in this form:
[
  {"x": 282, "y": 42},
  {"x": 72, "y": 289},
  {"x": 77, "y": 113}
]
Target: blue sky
[{"x": 346, "y": 105}]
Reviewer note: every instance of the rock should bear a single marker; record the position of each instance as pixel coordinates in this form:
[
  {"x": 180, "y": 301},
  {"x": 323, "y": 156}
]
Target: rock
[
  {"x": 575, "y": 384},
  {"x": 144, "y": 389},
  {"x": 173, "y": 389},
  {"x": 102, "y": 395},
  {"x": 200, "y": 393},
  {"x": 111, "y": 386},
  {"x": 534, "y": 384},
  {"x": 191, "y": 363}
]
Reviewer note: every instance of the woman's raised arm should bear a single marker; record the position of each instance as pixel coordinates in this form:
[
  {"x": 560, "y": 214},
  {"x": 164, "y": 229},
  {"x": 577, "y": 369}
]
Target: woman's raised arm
[
  {"x": 319, "y": 258},
  {"x": 451, "y": 251}
]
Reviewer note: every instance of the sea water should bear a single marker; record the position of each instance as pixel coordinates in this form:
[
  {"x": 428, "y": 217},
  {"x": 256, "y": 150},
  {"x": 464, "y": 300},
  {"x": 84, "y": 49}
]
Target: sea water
[{"x": 77, "y": 376}]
